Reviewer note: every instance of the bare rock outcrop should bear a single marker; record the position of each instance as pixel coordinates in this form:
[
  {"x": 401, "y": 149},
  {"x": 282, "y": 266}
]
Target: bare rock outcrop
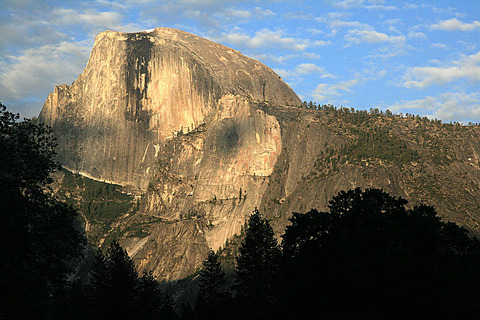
[
  {"x": 139, "y": 89},
  {"x": 179, "y": 117}
]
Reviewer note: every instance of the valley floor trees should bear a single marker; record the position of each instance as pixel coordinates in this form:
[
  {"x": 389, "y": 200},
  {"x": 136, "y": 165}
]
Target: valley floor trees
[
  {"x": 368, "y": 256},
  {"x": 371, "y": 257},
  {"x": 38, "y": 234},
  {"x": 258, "y": 264}
]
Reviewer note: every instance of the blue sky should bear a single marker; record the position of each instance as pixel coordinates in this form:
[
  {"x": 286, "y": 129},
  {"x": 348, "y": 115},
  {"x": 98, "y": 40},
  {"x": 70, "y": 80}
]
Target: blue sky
[{"x": 420, "y": 57}]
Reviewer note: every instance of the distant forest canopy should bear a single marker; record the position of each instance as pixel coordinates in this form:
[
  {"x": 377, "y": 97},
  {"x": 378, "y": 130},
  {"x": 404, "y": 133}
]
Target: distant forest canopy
[{"x": 358, "y": 116}]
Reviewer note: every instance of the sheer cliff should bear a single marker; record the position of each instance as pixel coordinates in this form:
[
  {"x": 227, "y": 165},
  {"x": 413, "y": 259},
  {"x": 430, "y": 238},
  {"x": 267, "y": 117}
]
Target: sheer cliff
[
  {"x": 177, "y": 116},
  {"x": 139, "y": 89},
  {"x": 199, "y": 135}
]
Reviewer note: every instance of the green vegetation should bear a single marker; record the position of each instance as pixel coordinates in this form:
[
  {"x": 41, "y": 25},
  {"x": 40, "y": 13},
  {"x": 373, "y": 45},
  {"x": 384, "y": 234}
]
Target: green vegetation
[
  {"x": 362, "y": 138},
  {"x": 97, "y": 200},
  {"x": 100, "y": 203},
  {"x": 368, "y": 144},
  {"x": 378, "y": 143}
]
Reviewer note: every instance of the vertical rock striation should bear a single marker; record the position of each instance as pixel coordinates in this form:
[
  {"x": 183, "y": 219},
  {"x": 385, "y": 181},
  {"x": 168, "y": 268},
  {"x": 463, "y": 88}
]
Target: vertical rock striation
[{"x": 139, "y": 89}]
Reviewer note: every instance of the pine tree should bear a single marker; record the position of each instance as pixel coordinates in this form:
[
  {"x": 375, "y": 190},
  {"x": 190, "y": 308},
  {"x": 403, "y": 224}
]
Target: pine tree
[
  {"x": 212, "y": 279},
  {"x": 114, "y": 283},
  {"x": 212, "y": 294},
  {"x": 39, "y": 237},
  {"x": 149, "y": 297},
  {"x": 257, "y": 265}
]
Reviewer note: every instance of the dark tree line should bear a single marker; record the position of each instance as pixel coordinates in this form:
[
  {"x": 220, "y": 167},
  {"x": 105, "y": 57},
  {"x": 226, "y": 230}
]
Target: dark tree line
[
  {"x": 39, "y": 238},
  {"x": 368, "y": 256},
  {"x": 114, "y": 290}
]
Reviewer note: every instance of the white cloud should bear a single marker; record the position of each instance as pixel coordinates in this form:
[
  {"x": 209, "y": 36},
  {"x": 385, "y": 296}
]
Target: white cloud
[
  {"x": 238, "y": 13},
  {"x": 311, "y": 55},
  {"x": 321, "y": 43},
  {"x": 411, "y": 6},
  {"x": 315, "y": 31},
  {"x": 450, "y": 106},
  {"x": 380, "y": 7},
  {"x": 387, "y": 52},
  {"x": 311, "y": 68},
  {"x": 273, "y": 57},
  {"x": 370, "y": 36},
  {"x": 259, "y": 11},
  {"x": 455, "y": 24},
  {"x": 112, "y": 4},
  {"x": 208, "y": 15},
  {"x": 38, "y": 70},
  {"x": 369, "y": 5},
  {"x": 327, "y": 91},
  {"x": 468, "y": 67},
  {"x": 440, "y": 45},
  {"x": 304, "y": 69},
  {"x": 417, "y": 35},
  {"x": 29, "y": 33},
  {"x": 337, "y": 20},
  {"x": 63, "y": 16},
  {"x": 347, "y": 4},
  {"x": 340, "y": 23},
  {"x": 267, "y": 39},
  {"x": 370, "y": 74},
  {"x": 92, "y": 20},
  {"x": 235, "y": 14}
]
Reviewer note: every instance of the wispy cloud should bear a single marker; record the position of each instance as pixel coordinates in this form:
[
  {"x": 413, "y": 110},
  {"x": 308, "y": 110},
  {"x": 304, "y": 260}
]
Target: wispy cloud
[
  {"x": 450, "y": 106},
  {"x": 245, "y": 14},
  {"x": 39, "y": 69},
  {"x": 304, "y": 69},
  {"x": 280, "y": 59},
  {"x": 369, "y": 4},
  {"x": 417, "y": 35},
  {"x": 64, "y": 16},
  {"x": 381, "y": 7},
  {"x": 370, "y": 36},
  {"x": 336, "y": 20},
  {"x": 311, "y": 55},
  {"x": 267, "y": 39},
  {"x": 468, "y": 67},
  {"x": 325, "y": 91},
  {"x": 26, "y": 79},
  {"x": 440, "y": 46},
  {"x": 346, "y": 4},
  {"x": 455, "y": 24}
]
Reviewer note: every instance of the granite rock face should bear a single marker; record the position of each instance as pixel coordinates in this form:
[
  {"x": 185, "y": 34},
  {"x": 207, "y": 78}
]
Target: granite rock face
[
  {"x": 204, "y": 135},
  {"x": 178, "y": 117},
  {"x": 140, "y": 89}
]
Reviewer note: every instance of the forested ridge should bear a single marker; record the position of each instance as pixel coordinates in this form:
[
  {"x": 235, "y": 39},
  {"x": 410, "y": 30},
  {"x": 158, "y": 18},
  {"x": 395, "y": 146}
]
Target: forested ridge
[
  {"x": 369, "y": 254},
  {"x": 328, "y": 149}
]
